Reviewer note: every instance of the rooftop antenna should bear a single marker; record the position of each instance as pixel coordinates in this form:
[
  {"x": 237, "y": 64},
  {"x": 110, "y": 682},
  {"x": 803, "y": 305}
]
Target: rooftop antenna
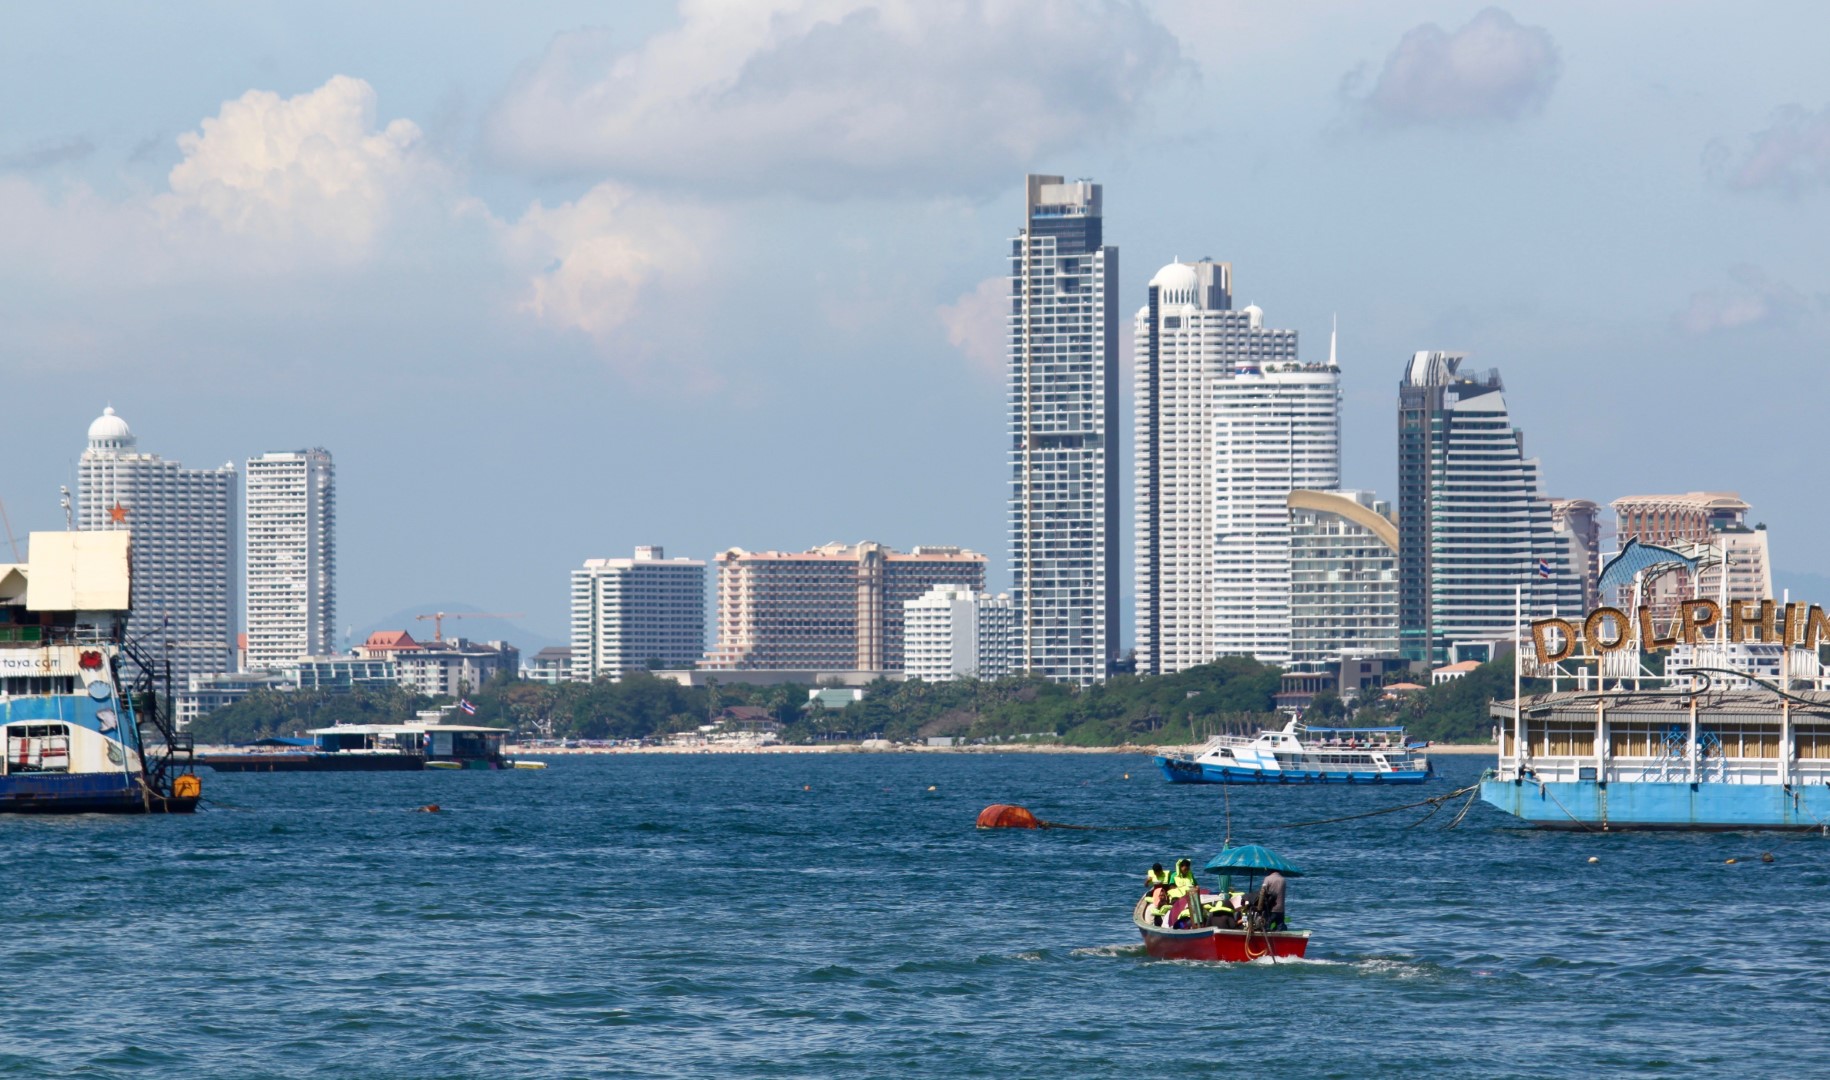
[
  {"x": 1333, "y": 335},
  {"x": 9, "y": 531},
  {"x": 64, "y": 501}
]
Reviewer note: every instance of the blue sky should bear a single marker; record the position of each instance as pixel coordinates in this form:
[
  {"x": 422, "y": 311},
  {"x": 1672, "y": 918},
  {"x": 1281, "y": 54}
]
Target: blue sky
[{"x": 554, "y": 282}]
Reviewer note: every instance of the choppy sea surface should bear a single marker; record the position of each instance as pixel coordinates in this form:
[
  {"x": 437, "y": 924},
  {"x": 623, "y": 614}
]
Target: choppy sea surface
[{"x": 839, "y": 915}]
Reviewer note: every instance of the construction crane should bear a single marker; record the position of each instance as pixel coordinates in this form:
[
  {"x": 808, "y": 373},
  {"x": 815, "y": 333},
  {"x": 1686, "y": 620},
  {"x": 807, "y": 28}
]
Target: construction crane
[{"x": 438, "y": 618}]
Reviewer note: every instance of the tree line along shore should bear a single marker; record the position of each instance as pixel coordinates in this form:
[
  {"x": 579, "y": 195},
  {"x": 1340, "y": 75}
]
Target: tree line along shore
[{"x": 1145, "y": 711}]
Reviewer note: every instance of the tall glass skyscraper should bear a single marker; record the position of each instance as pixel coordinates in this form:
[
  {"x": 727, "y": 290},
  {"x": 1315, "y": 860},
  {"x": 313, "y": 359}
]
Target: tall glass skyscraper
[
  {"x": 1474, "y": 528},
  {"x": 1064, "y": 433}
]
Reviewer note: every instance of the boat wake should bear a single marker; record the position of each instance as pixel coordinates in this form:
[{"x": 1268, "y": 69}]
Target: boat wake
[{"x": 1127, "y": 950}]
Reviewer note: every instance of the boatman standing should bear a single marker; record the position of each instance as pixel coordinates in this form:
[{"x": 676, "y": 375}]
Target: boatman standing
[{"x": 1271, "y": 901}]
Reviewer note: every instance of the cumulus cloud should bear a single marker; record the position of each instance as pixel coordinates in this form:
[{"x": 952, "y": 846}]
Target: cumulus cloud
[
  {"x": 1754, "y": 299},
  {"x": 588, "y": 263},
  {"x": 1790, "y": 157},
  {"x": 977, "y": 324},
  {"x": 311, "y": 170},
  {"x": 1493, "y": 70},
  {"x": 836, "y": 97},
  {"x": 269, "y": 185}
]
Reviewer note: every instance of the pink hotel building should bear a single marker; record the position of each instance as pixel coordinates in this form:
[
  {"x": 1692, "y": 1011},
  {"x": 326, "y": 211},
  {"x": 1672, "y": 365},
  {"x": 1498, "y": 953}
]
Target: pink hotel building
[{"x": 835, "y": 608}]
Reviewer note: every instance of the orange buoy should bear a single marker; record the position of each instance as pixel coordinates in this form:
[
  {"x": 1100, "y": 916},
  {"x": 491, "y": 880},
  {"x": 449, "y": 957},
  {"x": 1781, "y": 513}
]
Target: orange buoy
[{"x": 1005, "y": 816}]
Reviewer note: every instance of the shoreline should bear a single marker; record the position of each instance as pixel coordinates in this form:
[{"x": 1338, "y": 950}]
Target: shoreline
[{"x": 1450, "y": 749}]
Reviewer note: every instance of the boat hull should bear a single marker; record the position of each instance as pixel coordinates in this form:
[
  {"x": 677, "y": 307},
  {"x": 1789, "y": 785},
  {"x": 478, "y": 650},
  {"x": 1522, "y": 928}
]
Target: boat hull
[
  {"x": 330, "y": 762},
  {"x": 1586, "y": 804},
  {"x": 1189, "y": 771},
  {"x": 84, "y": 793},
  {"x": 1222, "y": 946}
]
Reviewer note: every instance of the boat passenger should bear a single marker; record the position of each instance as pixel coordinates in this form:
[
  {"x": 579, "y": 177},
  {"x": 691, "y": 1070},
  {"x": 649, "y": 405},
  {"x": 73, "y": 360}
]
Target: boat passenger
[
  {"x": 1271, "y": 902},
  {"x": 1184, "y": 875},
  {"x": 1156, "y": 906},
  {"x": 1155, "y": 876}
]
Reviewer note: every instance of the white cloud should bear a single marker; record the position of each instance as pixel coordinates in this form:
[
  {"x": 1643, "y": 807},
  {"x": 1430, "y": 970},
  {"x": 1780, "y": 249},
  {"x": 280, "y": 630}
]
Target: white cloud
[
  {"x": 307, "y": 172},
  {"x": 313, "y": 191},
  {"x": 978, "y": 325},
  {"x": 837, "y": 97},
  {"x": 269, "y": 185},
  {"x": 1493, "y": 70},
  {"x": 1755, "y": 299},
  {"x": 587, "y": 264},
  {"x": 1791, "y": 157}
]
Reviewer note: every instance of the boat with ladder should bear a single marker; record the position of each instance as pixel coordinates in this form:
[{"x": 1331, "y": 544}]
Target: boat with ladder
[
  {"x": 1302, "y": 754},
  {"x": 77, "y": 700}
]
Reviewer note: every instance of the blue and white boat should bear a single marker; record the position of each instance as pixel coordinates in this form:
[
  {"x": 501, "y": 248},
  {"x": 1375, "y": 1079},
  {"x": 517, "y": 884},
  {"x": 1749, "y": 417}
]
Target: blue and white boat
[
  {"x": 1298, "y": 754},
  {"x": 1730, "y": 731},
  {"x": 69, "y": 729}
]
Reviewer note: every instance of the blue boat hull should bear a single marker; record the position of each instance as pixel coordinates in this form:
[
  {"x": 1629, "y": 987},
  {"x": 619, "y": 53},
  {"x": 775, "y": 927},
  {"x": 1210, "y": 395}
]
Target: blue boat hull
[
  {"x": 83, "y": 793},
  {"x": 1186, "y": 771},
  {"x": 1586, "y": 804}
]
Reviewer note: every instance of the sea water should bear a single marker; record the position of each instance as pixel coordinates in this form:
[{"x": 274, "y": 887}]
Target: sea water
[{"x": 839, "y": 915}]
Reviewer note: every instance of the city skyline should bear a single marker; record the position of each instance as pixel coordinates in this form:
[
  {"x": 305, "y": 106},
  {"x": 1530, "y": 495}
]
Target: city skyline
[{"x": 495, "y": 313}]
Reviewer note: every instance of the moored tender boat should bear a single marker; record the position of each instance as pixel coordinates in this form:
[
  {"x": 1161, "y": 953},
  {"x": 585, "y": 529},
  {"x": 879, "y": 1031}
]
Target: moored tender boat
[{"x": 1299, "y": 754}]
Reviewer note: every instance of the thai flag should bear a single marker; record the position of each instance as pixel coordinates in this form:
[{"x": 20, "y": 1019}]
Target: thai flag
[
  {"x": 469, "y": 709},
  {"x": 1543, "y": 567}
]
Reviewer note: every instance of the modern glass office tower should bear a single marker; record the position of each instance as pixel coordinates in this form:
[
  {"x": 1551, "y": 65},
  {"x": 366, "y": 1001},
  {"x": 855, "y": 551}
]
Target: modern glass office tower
[
  {"x": 1474, "y": 528},
  {"x": 1228, "y": 422},
  {"x": 292, "y": 557},
  {"x": 1064, "y": 433},
  {"x": 183, "y": 526}
]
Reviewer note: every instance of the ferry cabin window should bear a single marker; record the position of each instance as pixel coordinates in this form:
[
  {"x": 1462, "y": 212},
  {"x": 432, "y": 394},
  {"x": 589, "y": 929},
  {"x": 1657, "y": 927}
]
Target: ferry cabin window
[
  {"x": 1813, "y": 741},
  {"x": 35, "y": 685},
  {"x": 35, "y": 748},
  {"x": 1560, "y": 738}
]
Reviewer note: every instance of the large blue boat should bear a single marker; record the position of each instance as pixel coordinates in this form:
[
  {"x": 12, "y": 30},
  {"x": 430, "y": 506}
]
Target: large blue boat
[
  {"x": 1742, "y": 756},
  {"x": 71, "y": 719},
  {"x": 1298, "y": 754}
]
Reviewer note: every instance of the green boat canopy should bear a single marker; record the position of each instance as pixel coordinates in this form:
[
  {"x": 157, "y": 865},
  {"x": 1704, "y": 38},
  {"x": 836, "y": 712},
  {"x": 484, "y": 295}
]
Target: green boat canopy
[{"x": 1251, "y": 859}]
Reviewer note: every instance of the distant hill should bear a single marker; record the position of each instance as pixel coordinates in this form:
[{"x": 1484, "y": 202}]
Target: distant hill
[{"x": 520, "y": 636}]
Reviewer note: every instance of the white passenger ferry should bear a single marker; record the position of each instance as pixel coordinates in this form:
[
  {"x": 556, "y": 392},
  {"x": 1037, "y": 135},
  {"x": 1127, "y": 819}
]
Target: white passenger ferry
[{"x": 1298, "y": 754}]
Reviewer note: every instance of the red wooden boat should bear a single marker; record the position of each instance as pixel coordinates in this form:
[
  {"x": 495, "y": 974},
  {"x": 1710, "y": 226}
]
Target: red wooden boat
[{"x": 1217, "y": 943}]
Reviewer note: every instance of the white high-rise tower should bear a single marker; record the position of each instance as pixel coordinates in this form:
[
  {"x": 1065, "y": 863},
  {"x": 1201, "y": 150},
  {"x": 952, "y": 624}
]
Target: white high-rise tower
[
  {"x": 292, "y": 557},
  {"x": 1228, "y": 423},
  {"x": 1064, "y": 433},
  {"x": 182, "y": 521}
]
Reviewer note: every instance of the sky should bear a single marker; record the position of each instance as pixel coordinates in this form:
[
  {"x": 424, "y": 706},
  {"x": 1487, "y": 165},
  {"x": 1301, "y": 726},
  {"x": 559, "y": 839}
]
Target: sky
[{"x": 555, "y": 281}]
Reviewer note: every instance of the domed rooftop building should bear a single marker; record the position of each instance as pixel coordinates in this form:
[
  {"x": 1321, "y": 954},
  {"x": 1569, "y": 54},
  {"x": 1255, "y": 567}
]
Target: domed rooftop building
[
  {"x": 1227, "y": 422},
  {"x": 110, "y": 434},
  {"x": 183, "y": 543}
]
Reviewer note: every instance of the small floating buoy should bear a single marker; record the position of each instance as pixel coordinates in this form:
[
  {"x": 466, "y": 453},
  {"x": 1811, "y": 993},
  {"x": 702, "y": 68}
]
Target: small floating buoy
[
  {"x": 930, "y": 787},
  {"x": 429, "y": 808},
  {"x": 1766, "y": 856},
  {"x": 1734, "y": 860},
  {"x": 1594, "y": 858}
]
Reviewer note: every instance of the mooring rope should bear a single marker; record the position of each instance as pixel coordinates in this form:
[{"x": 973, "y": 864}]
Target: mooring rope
[{"x": 1434, "y": 800}]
